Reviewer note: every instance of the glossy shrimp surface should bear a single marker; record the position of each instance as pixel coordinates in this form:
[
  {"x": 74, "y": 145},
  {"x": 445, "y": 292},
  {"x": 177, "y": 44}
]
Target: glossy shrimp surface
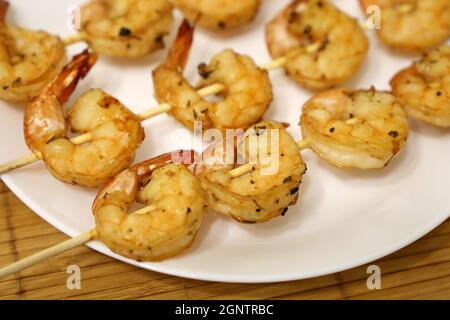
[
  {"x": 246, "y": 97},
  {"x": 174, "y": 212},
  {"x": 412, "y": 25},
  {"x": 218, "y": 14},
  {"x": 268, "y": 190},
  {"x": 126, "y": 28},
  {"x": 28, "y": 60},
  {"x": 322, "y": 46},
  {"x": 355, "y": 128},
  {"x": 115, "y": 132},
  {"x": 424, "y": 88}
]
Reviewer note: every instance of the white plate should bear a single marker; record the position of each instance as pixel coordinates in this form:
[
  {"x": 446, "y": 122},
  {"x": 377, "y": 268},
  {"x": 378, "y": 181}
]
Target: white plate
[{"x": 343, "y": 219}]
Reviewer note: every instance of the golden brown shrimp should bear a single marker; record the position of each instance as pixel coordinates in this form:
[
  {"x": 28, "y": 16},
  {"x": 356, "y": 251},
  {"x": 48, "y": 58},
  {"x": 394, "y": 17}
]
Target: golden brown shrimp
[
  {"x": 247, "y": 94},
  {"x": 322, "y": 46},
  {"x": 126, "y": 28},
  {"x": 116, "y": 132},
  {"x": 167, "y": 226},
  {"x": 412, "y": 25},
  {"x": 28, "y": 60},
  {"x": 218, "y": 14},
  {"x": 355, "y": 128},
  {"x": 269, "y": 189},
  {"x": 424, "y": 88}
]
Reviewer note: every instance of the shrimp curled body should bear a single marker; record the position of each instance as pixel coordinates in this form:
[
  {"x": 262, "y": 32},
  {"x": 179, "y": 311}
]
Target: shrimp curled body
[
  {"x": 322, "y": 46},
  {"x": 128, "y": 28},
  {"x": 264, "y": 193},
  {"x": 28, "y": 60},
  {"x": 115, "y": 131},
  {"x": 174, "y": 215},
  {"x": 355, "y": 129},
  {"x": 246, "y": 97},
  {"x": 218, "y": 14},
  {"x": 424, "y": 88},
  {"x": 412, "y": 25}
]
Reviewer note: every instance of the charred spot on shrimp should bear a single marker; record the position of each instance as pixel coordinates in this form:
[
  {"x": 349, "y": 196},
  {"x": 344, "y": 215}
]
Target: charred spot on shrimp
[
  {"x": 287, "y": 179},
  {"x": 124, "y": 32},
  {"x": 393, "y": 134},
  {"x": 203, "y": 70}
]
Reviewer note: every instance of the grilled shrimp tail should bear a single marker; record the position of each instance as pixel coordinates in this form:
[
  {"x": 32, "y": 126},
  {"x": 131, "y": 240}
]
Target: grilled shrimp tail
[
  {"x": 181, "y": 48},
  {"x": 66, "y": 82}
]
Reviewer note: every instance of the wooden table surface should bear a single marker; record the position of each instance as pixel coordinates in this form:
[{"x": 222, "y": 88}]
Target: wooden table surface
[{"x": 420, "y": 271}]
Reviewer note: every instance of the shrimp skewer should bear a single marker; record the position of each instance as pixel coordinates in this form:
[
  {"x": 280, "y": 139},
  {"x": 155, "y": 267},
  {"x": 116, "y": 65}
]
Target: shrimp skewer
[
  {"x": 164, "y": 107},
  {"x": 28, "y": 60},
  {"x": 166, "y": 227},
  {"x": 124, "y": 29},
  {"x": 361, "y": 129},
  {"x": 116, "y": 132}
]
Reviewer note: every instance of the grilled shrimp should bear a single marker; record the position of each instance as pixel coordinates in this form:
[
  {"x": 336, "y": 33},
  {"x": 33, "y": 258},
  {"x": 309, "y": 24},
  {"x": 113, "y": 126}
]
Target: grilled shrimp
[
  {"x": 116, "y": 132},
  {"x": 28, "y": 60},
  {"x": 322, "y": 46},
  {"x": 247, "y": 94},
  {"x": 218, "y": 14},
  {"x": 269, "y": 189},
  {"x": 412, "y": 25},
  {"x": 355, "y": 129},
  {"x": 169, "y": 224},
  {"x": 126, "y": 28},
  {"x": 424, "y": 88}
]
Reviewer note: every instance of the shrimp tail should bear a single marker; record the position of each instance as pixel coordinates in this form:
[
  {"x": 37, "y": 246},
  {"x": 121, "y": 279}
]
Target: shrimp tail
[
  {"x": 65, "y": 83},
  {"x": 4, "y": 5},
  {"x": 128, "y": 180},
  {"x": 146, "y": 168},
  {"x": 179, "y": 53}
]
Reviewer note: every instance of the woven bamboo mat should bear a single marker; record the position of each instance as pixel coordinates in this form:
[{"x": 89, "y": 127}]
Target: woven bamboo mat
[{"x": 420, "y": 271}]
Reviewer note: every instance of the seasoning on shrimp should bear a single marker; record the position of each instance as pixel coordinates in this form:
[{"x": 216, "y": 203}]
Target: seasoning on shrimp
[
  {"x": 218, "y": 14},
  {"x": 354, "y": 128},
  {"x": 424, "y": 88},
  {"x": 322, "y": 46},
  {"x": 166, "y": 227},
  {"x": 126, "y": 28},
  {"x": 246, "y": 97},
  {"x": 28, "y": 60},
  {"x": 412, "y": 25},
  {"x": 259, "y": 195},
  {"x": 116, "y": 132}
]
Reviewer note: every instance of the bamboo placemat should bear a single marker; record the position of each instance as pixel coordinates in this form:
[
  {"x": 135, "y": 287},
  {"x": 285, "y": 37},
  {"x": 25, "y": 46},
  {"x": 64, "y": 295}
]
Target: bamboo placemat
[{"x": 420, "y": 271}]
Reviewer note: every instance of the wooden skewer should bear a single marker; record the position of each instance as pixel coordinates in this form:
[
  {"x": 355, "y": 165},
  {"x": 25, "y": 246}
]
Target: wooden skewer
[
  {"x": 78, "y": 37},
  {"x": 47, "y": 253},
  {"x": 84, "y": 138},
  {"x": 57, "y": 249},
  {"x": 209, "y": 90},
  {"x": 246, "y": 168}
]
